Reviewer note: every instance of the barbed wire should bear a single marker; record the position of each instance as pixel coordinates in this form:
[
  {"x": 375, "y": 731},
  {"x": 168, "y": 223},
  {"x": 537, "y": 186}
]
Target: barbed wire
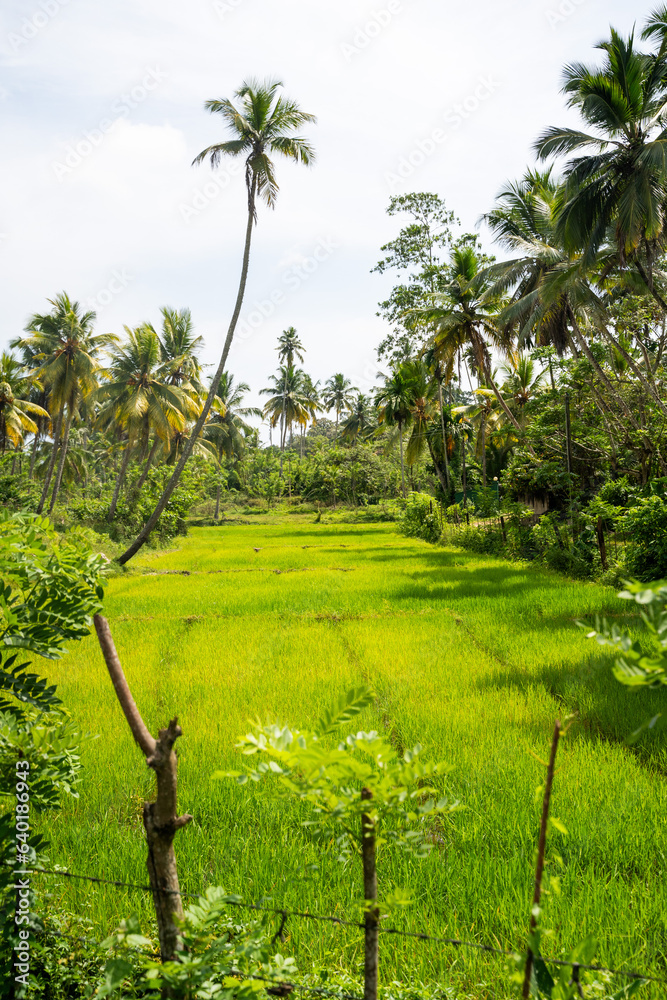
[{"x": 285, "y": 914}]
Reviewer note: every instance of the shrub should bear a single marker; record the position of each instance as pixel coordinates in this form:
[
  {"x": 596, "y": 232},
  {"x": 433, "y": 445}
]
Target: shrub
[
  {"x": 420, "y": 518},
  {"x": 646, "y": 525}
]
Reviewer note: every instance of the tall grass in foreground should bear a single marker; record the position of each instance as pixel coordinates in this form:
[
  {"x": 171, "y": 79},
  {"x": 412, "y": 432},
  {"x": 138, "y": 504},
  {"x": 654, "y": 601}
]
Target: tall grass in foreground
[{"x": 470, "y": 656}]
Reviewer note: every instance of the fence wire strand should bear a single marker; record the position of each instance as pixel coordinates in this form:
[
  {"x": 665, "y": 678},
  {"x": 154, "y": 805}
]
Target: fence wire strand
[{"x": 342, "y": 922}]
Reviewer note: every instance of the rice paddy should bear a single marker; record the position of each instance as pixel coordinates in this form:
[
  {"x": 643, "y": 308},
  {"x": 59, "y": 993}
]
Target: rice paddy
[{"x": 470, "y": 656}]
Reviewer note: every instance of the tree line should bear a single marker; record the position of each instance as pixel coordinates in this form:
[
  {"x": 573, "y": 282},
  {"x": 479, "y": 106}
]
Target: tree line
[{"x": 542, "y": 372}]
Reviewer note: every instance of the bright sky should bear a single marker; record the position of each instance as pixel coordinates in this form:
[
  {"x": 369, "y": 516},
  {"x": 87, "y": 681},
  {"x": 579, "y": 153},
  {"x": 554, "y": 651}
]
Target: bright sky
[{"x": 102, "y": 113}]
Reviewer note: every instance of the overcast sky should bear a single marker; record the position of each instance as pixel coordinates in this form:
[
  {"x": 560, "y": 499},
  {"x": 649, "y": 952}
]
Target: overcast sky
[{"x": 102, "y": 114}]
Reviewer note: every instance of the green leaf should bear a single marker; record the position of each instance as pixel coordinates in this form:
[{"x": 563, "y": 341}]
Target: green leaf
[
  {"x": 350, "y": 705},
  {"x": 559, "y": 825}
]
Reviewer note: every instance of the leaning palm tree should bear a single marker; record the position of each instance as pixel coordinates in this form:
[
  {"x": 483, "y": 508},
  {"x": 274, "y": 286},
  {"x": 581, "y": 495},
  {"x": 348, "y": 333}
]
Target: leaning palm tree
[
  {"x": 616, "y": 179},
  {"x": 65, "y": 351},
  {"x": 264, "y": 124},
  {"x": 16, "y": 410},
  {"x": 138, "y": 399},
  {"x": 338, "y": 395}
]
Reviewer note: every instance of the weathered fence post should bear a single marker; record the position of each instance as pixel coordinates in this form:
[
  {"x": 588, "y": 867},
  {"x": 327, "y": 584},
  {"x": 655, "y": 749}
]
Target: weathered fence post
[
  {"x": 371, "y": 915},
  {"x": 161, "y": 819},
  {"x": 502, "y": 528},
  {"x": 541, "y": 846}
]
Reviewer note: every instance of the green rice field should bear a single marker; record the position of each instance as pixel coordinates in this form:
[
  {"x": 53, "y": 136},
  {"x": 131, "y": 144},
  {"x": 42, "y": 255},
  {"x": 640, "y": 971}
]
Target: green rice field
[{"x": 470, "y": 656}]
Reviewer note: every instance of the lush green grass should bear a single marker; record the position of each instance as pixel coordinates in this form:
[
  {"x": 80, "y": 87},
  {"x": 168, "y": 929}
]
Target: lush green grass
[{"x": 470, "y": 656}]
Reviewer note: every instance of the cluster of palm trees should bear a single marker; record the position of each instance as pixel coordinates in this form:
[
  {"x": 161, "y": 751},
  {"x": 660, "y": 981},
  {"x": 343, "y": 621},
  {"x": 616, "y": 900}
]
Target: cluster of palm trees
[
  {"x": 131, "y": 398},
  {"x": 582, "y": 246}
]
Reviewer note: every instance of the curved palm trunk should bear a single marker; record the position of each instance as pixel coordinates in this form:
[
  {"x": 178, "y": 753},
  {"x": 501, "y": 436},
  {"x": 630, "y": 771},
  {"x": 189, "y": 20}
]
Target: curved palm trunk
[
  {"x": 63, "y": 455},
  {"x": 400, "y": 439},
  {"x": 119, "y": 482},
  {"x": 144, "y": 534},
  {"x": 52, "y": 461},
  {"x": 444, "y": 435}
]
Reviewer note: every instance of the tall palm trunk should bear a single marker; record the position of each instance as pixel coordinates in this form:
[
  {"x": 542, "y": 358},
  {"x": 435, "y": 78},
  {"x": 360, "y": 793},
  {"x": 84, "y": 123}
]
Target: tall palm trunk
[
  {"x": 147, "y": 466},
  {"x": 52, "y": 460},
  {"x": 444, "y": 434},
  {"x": 33, "y": 454},
  {"x": 63, "y": 455},
  {"x": 438, "y": 470},
  {"x": 484, "y": 450},
  {"x": 119, "y": 482},
  {"x": 144, "y": 534},
  {"x": 400, "y": 440}
]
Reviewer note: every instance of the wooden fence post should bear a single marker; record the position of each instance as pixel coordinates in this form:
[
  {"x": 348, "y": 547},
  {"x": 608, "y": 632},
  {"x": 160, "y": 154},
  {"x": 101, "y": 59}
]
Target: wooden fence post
[
  {"x": 161, "y": 819},
  {"x": 371, "y": 915},
  {"x": 539, "y": 869}
]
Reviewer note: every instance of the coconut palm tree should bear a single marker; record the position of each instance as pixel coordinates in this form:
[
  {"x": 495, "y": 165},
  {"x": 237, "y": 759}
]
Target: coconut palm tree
[
  {"x": 263, "y": 124},
  {"x": 227, "y": 429},
  {"x": 616, "y": 179},
  {"x": 179, "y": 348},
  {"x": 552, "y": 299},
  {"x": 361, "y": 422},
  {"x": 66, "y": 354},
  {"x": 464, "y": 317},
  {"x": 289, "y": 347},
  {"x": 394, "y": 402},
  {"x": 485, "y": 417},
  {"x": 138, "y": 399},
  {"x": 423, "y": 416},
  {"x": 338, "y": 395},
  {"x": 290, "y": 401},
  {"x": 522, "y": 383},
  {"x": 16, "y": 410}
]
